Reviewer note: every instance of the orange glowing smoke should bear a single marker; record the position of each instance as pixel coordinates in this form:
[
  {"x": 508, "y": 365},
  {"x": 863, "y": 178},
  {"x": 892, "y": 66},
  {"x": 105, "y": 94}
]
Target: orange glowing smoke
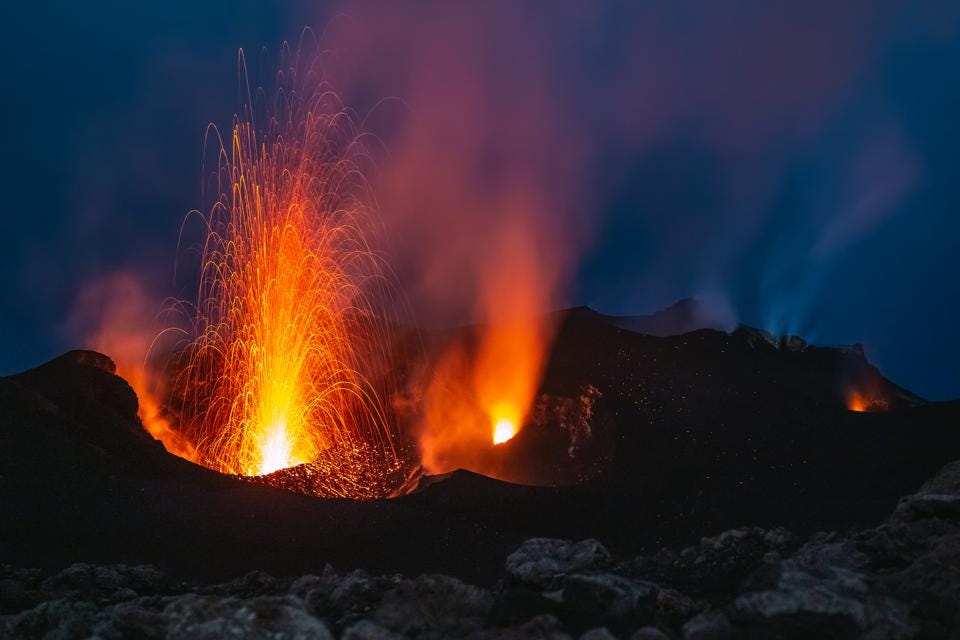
[
  {"x": 480, "y": 394},
  {"x": 856, "y": 402},
  {"x": 115, "y": 315},
  {"x": 285, "y": 332},
  {"x": 869, "y": 400}
]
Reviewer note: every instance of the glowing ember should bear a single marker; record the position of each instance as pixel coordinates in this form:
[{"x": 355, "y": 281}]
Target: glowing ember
[
  {"x": 867, "y": 399},
  {"x": 856, "y": 402},
  {"x": 285, "y": 327},
  {"x": 503, "y": 430}
]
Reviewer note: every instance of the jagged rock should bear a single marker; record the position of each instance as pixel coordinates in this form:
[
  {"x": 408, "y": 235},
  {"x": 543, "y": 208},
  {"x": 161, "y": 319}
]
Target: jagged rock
[
  {"x": 275, "y": 617},
  {"x": 930, "y": 505},
  {"x": 600, "y": 633},
  {"x": 946, "y": 480},
  {"x": 189, "y": 615},
  {"x": 303, "y": 585},
  {"x": 59, "y": 618},
  {"x": 368, "y": 630},
  {"x": 917, "y": 554},
  {"x": 649, "y": 633},
  {"x": 823, "y": 588},
  {"x": 434, "y": 606},
  {"x": 935, "y": 500},
  {"x": 900, "y": 580},
  {"x": 93, "y": 582},
  {"x": 718, "y": 564},
  {"x": 90, "y": 359},
  {"x": 606, "y": 595},
  {"x": 574, "y": 415},
  {"x": 541, "y": 561},
  {"x": 763, "y": 338},
  {"x": 350, "y": 597},
  {"x": 712, "y": 625},
  {"x": 674, "y": 608}
]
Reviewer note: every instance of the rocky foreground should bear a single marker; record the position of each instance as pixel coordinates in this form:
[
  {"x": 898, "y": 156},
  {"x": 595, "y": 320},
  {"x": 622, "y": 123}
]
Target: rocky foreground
[{"x": 898, "y": 580}]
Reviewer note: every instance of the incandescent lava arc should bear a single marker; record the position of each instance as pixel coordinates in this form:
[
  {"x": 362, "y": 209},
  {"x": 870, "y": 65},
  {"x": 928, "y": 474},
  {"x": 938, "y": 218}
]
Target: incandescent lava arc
[{"x": 283, "y": 359}]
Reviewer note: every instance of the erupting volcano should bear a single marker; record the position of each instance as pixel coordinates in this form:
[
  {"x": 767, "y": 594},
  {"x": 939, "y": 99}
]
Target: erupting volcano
[
  {"x": 482, "y": 387},
  {"x": 289, "y": 353},
  {"x": 483, "y": 321},
  {"x": 282, "y": 363}
]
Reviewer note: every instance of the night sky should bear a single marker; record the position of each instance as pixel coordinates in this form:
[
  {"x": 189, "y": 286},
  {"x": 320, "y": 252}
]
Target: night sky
[{"x": 794, "y": 164}]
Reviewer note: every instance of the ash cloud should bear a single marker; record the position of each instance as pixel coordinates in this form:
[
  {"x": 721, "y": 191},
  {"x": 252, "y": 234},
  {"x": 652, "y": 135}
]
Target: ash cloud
[{"x": 649, "y": 146}]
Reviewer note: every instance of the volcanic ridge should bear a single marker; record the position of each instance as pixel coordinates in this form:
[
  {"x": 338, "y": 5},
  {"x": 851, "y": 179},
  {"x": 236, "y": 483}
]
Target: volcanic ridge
[{"x": 695, "y": 466}]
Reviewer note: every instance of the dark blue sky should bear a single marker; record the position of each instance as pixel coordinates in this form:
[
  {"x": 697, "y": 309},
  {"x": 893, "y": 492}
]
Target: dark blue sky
[{"x": 794, "y": 163}]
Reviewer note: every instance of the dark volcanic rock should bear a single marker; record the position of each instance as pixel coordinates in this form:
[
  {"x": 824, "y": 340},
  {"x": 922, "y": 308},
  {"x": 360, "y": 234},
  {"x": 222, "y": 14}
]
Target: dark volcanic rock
[
  {"x": 820, "y": 592},
  {"x": 899, "y": 580},
  {"x": 542, "y": 561},
  {"x": 182, "y": 616},
  {"x": 620, "y": 602},
  {"x": 649, "y": 633},
  {"x": 717, "y": 564},
  {"x": 434, "y": 606}
]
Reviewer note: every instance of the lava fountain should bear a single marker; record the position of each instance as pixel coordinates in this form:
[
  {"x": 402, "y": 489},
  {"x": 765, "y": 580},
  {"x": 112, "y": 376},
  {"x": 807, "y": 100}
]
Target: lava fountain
[{"x": 284, "y": 361}]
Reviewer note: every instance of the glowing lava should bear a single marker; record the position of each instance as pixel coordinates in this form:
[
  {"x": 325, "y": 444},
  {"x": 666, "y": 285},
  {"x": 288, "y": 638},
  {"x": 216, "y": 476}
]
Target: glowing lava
[
  {"x": 856, "y": 402},
  {"x": 866, "y": 401},
  {"x": 286, "y": 328},
  {"x": 276, "y": 451},
  {"x": 503, "y": 430},
  {"x": 482, "y": 390}
]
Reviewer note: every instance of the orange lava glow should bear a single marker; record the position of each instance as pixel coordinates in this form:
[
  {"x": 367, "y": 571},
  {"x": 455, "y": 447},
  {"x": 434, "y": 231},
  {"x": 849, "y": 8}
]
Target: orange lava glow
[
  {"x": 152, "y": 418},
  {"x": 857, "y": 402},
  {"x": 866, "y": 399},
  {"x": 503, "y": 430},
  {"x": 122, "y": 330},
  {"x": 284, "y": 331},
  {"x": 480, "y": 394}
]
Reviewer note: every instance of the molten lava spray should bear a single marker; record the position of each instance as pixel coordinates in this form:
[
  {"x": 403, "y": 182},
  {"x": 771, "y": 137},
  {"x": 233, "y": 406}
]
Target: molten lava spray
[{"x": 285, "y": 359}]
